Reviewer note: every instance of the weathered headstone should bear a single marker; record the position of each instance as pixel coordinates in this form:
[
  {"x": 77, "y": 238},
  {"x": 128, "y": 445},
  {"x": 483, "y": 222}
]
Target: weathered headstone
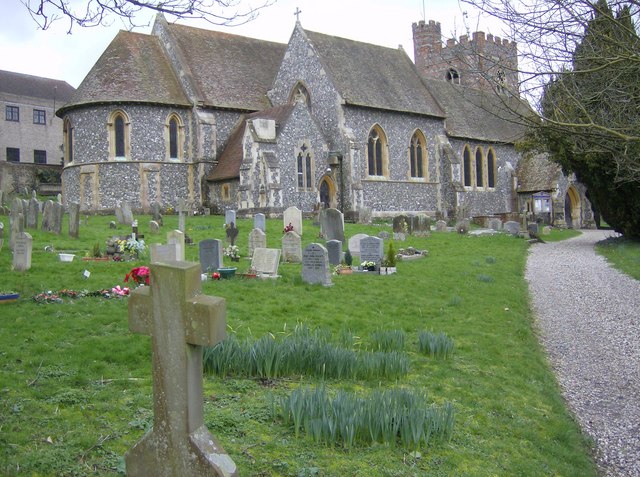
[
  {"x": 22, "y": 248},
  {"x": 402, "y": 224},
  {"x": 293, "y": 216},
  {"x": 371, "y": 250},
  {"x": 58, "y": 198},
  {"x": 315, "y": 265},
  {"x": 163, "y": 253},
  {"x": 512, "y": 227},
  {"x": 74, "y": 219},
  {"x": 47, "y": 215},
  {"x": 25, "y": 211},
  {"x": 399, "y": 236},
  {"x": 332, "y": 224},
  {"x": 118, "y": 213},
  {"x": 57, "y": 213},
  {"x": 364, "y": 215},
  {"x": 291, "y": 248},
  {"x": 257, "y": 239},
  {"x": 180, "y": 321},
  {"x": 154, "y": 227},
  {"x": 441, "y": 226},
  {"x": 229, "y": 217},
  {"x": 495, "y": 224},
  {"x": 177, "y": 237},
  {"x": 155, "y": 211},
  {"x": 533, "y": 228},
  {"x": 354, "y": 244},
  {"x": 210, "y": 253},
  {"x": 384, "y": 235},
  {"x": 127, "y": 215},
  {"x": 266, "y": 261},
  {"x": 232, "y": 232},
  {"x": 259, "y": 222},
  {"x": 334, "y": 249},
  {"x": 16, "y": 225},
  {"x": 33, "y": 213},
  {"x": 182, "y": 213},
  {"x": 421, "y": 225}
]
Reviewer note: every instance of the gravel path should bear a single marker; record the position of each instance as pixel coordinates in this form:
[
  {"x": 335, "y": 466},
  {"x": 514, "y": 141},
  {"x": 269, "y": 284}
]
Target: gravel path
[{"x": 588, "y": 316}]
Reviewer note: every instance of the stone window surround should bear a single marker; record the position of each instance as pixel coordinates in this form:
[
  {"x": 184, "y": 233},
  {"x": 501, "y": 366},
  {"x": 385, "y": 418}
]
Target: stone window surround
[
  {"x": 419, "y": 138},
  {"x": 68, "y": 140},
  {"x": 381, "y": 136},
  {"x": 225, "y": 192},
  {"x": 112, "y": 135},
  {"x": 484, "y": 168},
  {"x": 308, "y": 161},
  {"x": 180, "y": 138}
]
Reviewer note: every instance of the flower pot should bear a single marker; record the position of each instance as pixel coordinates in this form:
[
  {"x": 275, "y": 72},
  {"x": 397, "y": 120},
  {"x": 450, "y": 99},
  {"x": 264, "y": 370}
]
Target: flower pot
[
  {"x": 345, "y": 271},
  {"x": 227, "y": 272},
  {"x": 66, "y": 257},
  {"x": 10, "y": 298}
]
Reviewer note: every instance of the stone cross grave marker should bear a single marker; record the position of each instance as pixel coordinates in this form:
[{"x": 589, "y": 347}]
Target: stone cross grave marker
[
  {"x": 232, "y": 233},
  {"x": 22, "y": 248},
  {"x": 315, "y": 265},
  {"x": 259, "y": 222},
  {"x": 257, "y": 239},
  {"x": 210, "y": 253},
  {"x": 180, "y": 321},
  {"x": 291, "y": 248},
  {"x": 266, "y": 261},
  {"x": 293, "y": 216},
  {"x": 332, "y": 224},
  {"x": 334, "y": 249},
  {"x": 176, "y": 237}
]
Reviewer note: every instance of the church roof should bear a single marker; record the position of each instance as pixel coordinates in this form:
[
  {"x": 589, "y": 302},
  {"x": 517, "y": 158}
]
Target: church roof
[
  {"x": 229, "y": 71},
  {"x": 35, "y": 86},
  {"x": 133, "y": 69},
  {"x": 229, "y": 163},
  {"x": 374, "y": 76},
  {"x": 537, "y": 173},
  {"x": 481, "y": 115}
]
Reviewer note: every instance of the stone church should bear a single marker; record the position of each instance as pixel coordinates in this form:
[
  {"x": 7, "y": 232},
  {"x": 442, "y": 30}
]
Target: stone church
[{"x": 230, "y": 122}]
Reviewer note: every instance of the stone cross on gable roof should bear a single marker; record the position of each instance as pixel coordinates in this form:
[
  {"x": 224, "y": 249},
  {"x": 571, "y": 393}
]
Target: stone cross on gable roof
[
  {"x": 297, "y": 14},
  {"x": 180, "y": 321}
]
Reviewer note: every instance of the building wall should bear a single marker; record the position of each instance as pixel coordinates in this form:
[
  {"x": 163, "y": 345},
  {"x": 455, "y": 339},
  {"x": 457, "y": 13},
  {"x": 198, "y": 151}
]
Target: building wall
[{"x": 27, "y": 136}]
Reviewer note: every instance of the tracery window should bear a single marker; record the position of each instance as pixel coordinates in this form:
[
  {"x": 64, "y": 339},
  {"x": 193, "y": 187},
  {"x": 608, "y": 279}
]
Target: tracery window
[
  {"x": 304, "y": 166},
  {"x": 418, "y": 155},
  {"x": 119, "y": 136},
  {"x": 377, "y": 153},
  {"x": 466, "y": 167},
  {"x": 68, "y": 141},
  {"x": 491, "y": 169},
  {"x": 479, "y": 167},
  {"x": 453, "y": 76},
  {"x": 174, "y": 137}
]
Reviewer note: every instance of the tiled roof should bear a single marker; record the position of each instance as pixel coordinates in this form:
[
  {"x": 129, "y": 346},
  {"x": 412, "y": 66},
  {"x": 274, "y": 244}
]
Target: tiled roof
[
  {"x": 133, "y": 68},
  {"x": 537, "y": 173},
  {"x": 373, "y": 76},
  {"x": 230, "y": 71},
  {"x": 481, "y": 115},
  {"x": 229, "y": 163},
  {"x": 35, "y": 86}
]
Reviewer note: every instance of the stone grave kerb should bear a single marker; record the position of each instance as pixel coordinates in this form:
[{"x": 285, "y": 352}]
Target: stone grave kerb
[{"x": 180, "y": 321}]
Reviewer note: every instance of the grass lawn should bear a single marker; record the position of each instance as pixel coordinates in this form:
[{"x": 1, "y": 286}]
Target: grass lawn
[
  {"x": 623, "y": 254},
  {"x": 76, "y": 390}
]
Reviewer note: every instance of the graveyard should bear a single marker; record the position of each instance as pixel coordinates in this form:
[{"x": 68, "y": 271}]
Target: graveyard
[{"x": 76, "y": 388}]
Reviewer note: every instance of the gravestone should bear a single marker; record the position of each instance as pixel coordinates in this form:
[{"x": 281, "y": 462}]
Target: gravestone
[
  {"x": 332, "y": 224},
  {"x": 399, "y": 236},
  {"x": 495, "y": 224},
  {"x": 57, "y": 213},
  {"x": 354, "y": 244},
  {"x": 291, "y": 248},
  {"x": 118, "y": 213},
  {"x": 546, "y": 230},
  {"x": 402, "y": 224},
  {"x": 177, "y": 237},
  {"x": 163, "y": 253},
  {"x": 293, "y": 216},
  {"x": 421, "y": 225},
  {"x": 32, "y": 213},
  {"x": 334, "y": 249},
  {"x": 58, "y": 198},
  {"x": 47, "y": 215},
  {"x": 16, "y": 225},
  {"x": 533, "y": 228},
  {"x": 384, "y": 235},
  {"x": 232, "y": 233},
  {"x": 364, "y": 215},
  {"x": 182, "y": 213},
  {"x": 260, "y": 222},
  {"x": 180, "y": 321},
  {"x": 512, "y": 227},
  {"x": 155, "y": 211},
  {"x": 371, "y": 250},
  {"x": 22, "y": 247},
  {"x": 257, "y": 239},
  {"x": 266, "y": 261},
  {"x": 315, "y": 265},
  {"x": 154, "y": 227},
  {"x": 230, "y": 217},
  {"x": 74, "y": 219},
  {"x": 1, "y": 235},
  {"x": 127, "y": 215},
  {"x": 25, "y": 211},
  {"x": 210, "y": 253},
  {"x": 441, "y": 226}
]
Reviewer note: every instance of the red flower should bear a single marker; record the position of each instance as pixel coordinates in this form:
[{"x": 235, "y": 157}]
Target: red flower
[
  {"x": 138, "y": 275},
  {"x": 215, "y": 276}
]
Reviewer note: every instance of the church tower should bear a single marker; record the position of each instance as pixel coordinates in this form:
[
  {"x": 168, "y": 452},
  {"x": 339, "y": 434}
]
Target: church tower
[{"x": 483, "y": 62}]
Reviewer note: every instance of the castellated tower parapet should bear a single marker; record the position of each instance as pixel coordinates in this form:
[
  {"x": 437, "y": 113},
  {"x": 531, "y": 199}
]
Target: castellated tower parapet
[{"x": 484, "y": 61}]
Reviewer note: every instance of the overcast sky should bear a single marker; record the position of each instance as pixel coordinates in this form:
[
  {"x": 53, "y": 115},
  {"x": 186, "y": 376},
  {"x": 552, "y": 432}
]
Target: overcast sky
[{"x": 55, "y": 54}]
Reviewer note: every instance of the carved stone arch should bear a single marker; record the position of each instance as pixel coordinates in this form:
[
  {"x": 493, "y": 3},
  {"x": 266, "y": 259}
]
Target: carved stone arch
[
  {"x": 573, "y": 208},
  {"x": 119, "y": 127},
  {"x": 327, "y": 192},
  {"x": 377, "y": 153},
  {"x": 418, "y": 160},
  {"x": 174, "y": 137},
  {"x": 300, "y": 93}
]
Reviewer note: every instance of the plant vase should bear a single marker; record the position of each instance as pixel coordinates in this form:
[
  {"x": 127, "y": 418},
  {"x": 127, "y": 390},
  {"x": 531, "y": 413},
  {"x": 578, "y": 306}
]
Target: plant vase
[
  {"x": 227, "y": 272},
  {"x": 345, "y": 271}
]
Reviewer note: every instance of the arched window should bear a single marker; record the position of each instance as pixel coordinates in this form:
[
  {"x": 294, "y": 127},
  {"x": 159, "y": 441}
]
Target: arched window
[
  {"x": 301, "y": 94},
  {"x": 377, "y": 152},
  {"x": 479, "y": 167},
  {"x": 453, "y": 76},
  {"x": 418, "y": 155},
  {"x": 304, "y": 166},
  {"x": 68, "y": 141},
  {"x": 119, "y": 131},
  {"x": 466, "y": 167},
  {"x": 174, "y": 137},
  {"x": 491, "y": 169}
]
